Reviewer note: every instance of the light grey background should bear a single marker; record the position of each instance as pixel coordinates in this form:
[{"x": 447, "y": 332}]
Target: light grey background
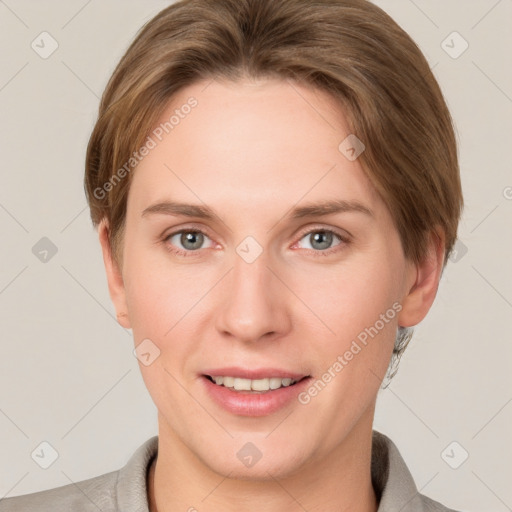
[{"x": 67, "y": 372}]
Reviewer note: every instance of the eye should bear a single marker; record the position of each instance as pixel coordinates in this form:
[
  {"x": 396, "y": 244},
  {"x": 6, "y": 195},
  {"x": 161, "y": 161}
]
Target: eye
[
  {"x": 321, "y": 239},
  {"x": 185, "y": 241}
]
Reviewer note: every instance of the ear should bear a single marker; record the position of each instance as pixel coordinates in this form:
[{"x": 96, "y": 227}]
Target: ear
[
  {"x": 423, "y": 282},
  {"x": 114, "y": 276}
]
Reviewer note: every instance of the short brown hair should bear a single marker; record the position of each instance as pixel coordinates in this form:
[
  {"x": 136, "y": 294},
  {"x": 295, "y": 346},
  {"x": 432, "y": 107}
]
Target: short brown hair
[{"x": 349, "y": 48}]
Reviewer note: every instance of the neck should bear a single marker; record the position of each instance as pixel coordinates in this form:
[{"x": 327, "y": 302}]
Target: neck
[{"x": 177, "y": 480}]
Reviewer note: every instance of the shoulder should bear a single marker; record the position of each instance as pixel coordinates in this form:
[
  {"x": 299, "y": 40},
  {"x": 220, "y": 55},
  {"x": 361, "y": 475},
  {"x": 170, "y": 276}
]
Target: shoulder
[
  {"x": 393, "y": 481},
  {"x": 88, "y": 495},
  {"x": 430, "y": 505},
  {"x": 122, "y": 490}
]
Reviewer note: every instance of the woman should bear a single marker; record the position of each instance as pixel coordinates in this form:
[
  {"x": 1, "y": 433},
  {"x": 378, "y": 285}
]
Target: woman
[{"x": 276, "y": 190}]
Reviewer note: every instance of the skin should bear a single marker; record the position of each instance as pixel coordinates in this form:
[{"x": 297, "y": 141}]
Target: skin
[{"x": 252, "y": 151}]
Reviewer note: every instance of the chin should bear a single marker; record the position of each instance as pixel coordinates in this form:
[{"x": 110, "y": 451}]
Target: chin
[
  {"x": 256, "y": 460},
  {"x": 261, "y": 471}
]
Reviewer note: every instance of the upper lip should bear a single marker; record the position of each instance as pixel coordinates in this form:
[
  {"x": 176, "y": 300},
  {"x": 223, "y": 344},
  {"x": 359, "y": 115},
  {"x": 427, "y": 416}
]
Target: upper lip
[{"x": 253, "y": 374}]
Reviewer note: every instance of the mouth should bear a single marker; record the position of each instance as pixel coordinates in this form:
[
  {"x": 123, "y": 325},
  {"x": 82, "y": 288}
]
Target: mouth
[
  {"x": 253, "y": 392},
  {"x": 254, "y": 386}
]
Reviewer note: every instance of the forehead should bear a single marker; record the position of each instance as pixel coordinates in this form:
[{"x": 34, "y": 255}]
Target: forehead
[{"x": 266, "y": 142}]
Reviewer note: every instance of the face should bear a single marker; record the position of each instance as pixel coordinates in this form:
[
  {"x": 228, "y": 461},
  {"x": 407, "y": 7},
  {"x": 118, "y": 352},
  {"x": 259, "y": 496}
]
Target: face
[{"x": 255, "y": 249}]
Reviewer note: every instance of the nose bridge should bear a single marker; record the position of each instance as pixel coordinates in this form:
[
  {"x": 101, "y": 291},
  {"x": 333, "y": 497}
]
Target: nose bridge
[{"x": 253, "y": 306}]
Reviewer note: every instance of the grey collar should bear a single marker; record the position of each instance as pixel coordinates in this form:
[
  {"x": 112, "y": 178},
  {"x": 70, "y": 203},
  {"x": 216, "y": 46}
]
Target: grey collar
[{"x": 391, "y": 479}]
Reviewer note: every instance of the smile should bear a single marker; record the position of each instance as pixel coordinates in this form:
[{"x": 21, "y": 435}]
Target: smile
[
  {"x": 267, "y": 392},
  {"x": 254, "y": 385}
]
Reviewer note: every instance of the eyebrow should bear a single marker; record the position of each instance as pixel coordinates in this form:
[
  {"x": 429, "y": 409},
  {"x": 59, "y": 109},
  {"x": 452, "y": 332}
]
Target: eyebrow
[{"x": 309, "y": 210}]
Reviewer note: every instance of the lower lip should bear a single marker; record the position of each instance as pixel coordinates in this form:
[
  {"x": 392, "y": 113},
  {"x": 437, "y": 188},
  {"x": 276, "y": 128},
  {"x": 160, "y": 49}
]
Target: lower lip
[{"x": 245, "y": 403}]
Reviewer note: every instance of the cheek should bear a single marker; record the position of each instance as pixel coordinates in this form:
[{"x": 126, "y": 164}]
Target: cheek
[
  {"x": 349, "y": 298},
  {"x": 158, "y": 304},
  {"x": 162, "y": 305},
  {"x": 361, "y": 309},
  {"x": 159, "y": 295},
  {"x": 356, "y": 308}
]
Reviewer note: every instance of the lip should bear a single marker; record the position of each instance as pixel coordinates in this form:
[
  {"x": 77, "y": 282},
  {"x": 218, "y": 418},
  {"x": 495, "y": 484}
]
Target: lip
[
  {"x": 245, "y": 403},
  {"x": 243, "y": 373}
]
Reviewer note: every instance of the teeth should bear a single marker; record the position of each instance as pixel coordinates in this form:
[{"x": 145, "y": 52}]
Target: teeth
[
  {"x": 260, "y": 385},
  {"x": 228, "y": 382},
  {"x": 240, "y": 384},
  {"x": 275, "y": 382}
]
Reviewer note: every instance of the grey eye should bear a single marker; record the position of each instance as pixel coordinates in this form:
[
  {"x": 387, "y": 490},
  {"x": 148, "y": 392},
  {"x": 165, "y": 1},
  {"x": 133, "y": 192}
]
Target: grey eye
[
  {"x": 320, "y": 240},
  {"x": 188, "y": 240}
]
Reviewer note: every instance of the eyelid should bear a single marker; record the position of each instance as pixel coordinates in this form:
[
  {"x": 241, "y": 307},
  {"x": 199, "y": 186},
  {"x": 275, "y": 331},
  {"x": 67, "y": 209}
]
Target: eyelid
[
  {"x": 344, "y": 236},
  {"x": 189, "y": 227},
  {"x": 342, "y": 233},
  {"x": 169, "y": 233}
]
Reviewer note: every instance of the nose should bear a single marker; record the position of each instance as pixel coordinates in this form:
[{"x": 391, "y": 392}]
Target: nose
[{"x": 254, "y": 304}]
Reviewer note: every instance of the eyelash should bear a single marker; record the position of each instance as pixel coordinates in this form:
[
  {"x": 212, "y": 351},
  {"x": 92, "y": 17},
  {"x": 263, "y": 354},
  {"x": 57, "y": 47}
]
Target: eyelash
[
  {"x": 181, "y": 252},
  {"x": 344, "y": 240}
]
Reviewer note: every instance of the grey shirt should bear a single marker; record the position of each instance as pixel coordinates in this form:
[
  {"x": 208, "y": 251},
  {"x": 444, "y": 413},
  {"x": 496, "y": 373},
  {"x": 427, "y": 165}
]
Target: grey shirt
[{"x": 125, "y": 490}]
